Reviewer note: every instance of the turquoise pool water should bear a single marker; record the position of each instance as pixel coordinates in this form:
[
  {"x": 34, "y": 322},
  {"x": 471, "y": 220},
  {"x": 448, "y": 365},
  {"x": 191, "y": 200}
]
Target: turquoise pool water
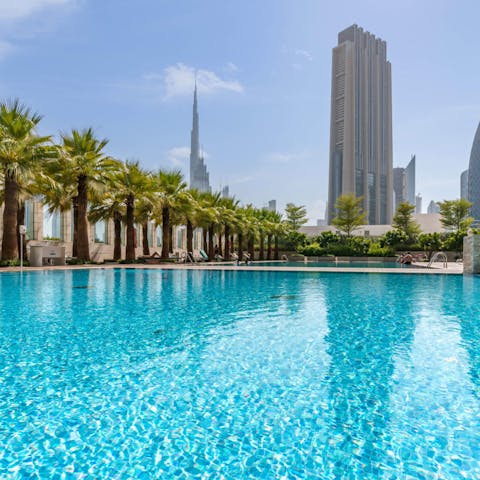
[
  {"x": 203, "y": 374},
  {"x": 333, "y": 264}
]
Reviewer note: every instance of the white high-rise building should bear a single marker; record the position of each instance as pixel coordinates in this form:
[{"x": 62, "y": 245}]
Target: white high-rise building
[{"x": 361, "y": 124}]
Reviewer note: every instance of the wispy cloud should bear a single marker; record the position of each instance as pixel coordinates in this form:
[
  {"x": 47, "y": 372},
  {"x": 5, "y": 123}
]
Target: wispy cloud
[
  {"x": 287, "y": 157},
  {"x": 17, "y": 9},
  {"x": 178, "y": 156},
  {"x": 304, "y": 54},
  {"x": 231, "y": 67},
  {"x": 179, "y": 80}
]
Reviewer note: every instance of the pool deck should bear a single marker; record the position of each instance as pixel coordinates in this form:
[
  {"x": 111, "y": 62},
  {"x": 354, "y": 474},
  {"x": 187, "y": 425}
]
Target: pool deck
[{"x": 416, "y": 268}]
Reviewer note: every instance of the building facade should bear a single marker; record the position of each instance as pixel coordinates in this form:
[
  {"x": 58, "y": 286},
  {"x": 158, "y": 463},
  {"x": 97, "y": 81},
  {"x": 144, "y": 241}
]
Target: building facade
[
  {"x": 464, "y": 185},
  {"x": 433, "y": 207},
  {"x": 410, "y": 181},
  {"x": 474, "y": 176},
  {"x": 361, "y": 124},
  {"x": 199, "y": 176}
]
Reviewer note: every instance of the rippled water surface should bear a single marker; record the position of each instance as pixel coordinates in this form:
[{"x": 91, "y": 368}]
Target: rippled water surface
[{"x": 202, "y": 374}]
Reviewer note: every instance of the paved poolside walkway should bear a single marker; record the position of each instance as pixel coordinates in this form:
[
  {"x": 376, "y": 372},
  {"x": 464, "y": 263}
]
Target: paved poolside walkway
[{"x": 416, "y": 268}]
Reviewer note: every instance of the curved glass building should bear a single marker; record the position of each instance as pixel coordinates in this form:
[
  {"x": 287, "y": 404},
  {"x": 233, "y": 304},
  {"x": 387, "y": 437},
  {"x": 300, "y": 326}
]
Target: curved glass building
[{"x": 474, "y": 176}]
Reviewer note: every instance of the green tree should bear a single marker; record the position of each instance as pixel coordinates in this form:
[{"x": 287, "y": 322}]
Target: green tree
[
  {"x": 350, "y": 214},
  {"x": 295, "y": 216},
  {"x": 83, "y": 164},
  {"x": 21, "y": 151},
  {"x": 454, "y": 214},
  {"x": 403, "y": 220},
  {"x": 430, "y": 242},
  {"x": 171, "y": 187}
]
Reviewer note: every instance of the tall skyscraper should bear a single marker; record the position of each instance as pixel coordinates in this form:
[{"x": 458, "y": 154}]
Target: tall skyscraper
[
  {"x": 418, "y": 203},
  {"x": 404, "y": 184},
  {"x": 272, "y": 205},
  {"x": 464, "y": 185},
  {"x": 433, "y": 207},
  {"x": 410, "y": 181},
  {"x": 474, "y": 176},
  {"x": 398, "y": 186},
  {"x": 199, "y": 177},
  {"x": 361, "y": 124}
]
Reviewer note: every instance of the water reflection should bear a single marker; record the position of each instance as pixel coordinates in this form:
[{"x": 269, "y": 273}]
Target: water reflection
[{"x": 368, "y": 328}]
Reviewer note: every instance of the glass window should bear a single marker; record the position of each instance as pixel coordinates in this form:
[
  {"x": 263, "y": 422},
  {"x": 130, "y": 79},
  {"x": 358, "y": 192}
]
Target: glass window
[
  {"x": 100, "y": 232},
  {"x": 52, "y": 225}
]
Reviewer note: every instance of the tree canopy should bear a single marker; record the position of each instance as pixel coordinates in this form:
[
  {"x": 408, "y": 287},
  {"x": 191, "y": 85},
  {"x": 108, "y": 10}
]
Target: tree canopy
[
  {"x": 295, "y": 216},
  {"x": 454, "y": 214},
  {"x": 403, "y": 220},
  {"x": 350, "y": 214}
]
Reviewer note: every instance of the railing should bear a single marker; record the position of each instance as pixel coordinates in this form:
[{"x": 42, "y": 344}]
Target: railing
[{"x": 438, "y": 257}]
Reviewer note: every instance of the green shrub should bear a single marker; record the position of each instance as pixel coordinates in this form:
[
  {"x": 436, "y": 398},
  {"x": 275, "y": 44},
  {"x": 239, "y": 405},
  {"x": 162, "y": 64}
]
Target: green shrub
[
  {"x": 13, "y": 263},
  {"x": 312, "y": 250},
  {"x": 375, "y": 250}
]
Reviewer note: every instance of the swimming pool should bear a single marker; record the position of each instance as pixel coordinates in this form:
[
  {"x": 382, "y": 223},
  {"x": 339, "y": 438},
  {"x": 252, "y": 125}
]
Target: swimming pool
[
  {"x": 340, "y": 264},
  {"x": 203, "y": 374}
]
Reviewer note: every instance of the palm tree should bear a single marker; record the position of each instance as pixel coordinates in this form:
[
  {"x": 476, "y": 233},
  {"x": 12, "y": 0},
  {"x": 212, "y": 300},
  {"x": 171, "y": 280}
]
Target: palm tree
[
  {"x": 21, "y": 151},
  {"x": 84, "y": 164},
  {"x": 211, "y": 204},
  {"x": 227, "y": 217},
  {"x": 171, "y": 190},
  {"x": 132, "y": 184}
]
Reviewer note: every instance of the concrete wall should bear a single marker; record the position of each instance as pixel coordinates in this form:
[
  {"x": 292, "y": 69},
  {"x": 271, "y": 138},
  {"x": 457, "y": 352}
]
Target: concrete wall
[{"x": 471, "y": 254}]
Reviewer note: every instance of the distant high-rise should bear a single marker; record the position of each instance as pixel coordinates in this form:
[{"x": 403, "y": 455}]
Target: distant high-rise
[
  {"x": 272, "y": 205},
  {"x": 464, "y": 185},
  {"x": 404, "y": 184},
  {"x": 433, "y": 207},
  {"x": 418, "y": 203},
  {"x": 361, "y": 124},
  {"x": 410, "y": 181},
  {"x": 474, "y": 176},
  {"x": 199, "y": 177},
  {"x": 225, "y": 191},
  {"x": 398, "y": 186}
]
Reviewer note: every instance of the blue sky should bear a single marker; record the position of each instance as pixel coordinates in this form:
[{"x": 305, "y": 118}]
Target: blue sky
[{"x": 126, "y": 69}]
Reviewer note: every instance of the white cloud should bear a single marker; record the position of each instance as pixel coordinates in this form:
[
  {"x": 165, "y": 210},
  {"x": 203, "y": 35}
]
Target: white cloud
[
  {"x": 5, "y": 49},
  {"x": 304, "y": 54},
  {"x": 179, "y": 80},
  {"x": 17, "y": 9},
  {"x": 231, "y": 67},
  {"x": 287, "y": 157}
]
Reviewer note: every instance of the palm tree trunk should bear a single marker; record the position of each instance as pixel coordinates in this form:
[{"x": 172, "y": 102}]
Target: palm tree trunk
[
  {"x": 146, "y": 248},
  {"x": 240, "y": 246},
  {"x": 9, "y": 237},
  {"x": 251, "y": 246},
  {"x": 165, "y": 232},
  {"x": 82, "y": 223},
  {"x": 261, "y": 253},
  {"x": 269, "y": 246},
  {"x": 204, "y": 238},
  {"x": 130, "y": 248},
  {"x": 220, "y": 244},
  {"x": 117, "y": 241},
  {"x": 211, "y": 252},
  {"x": 21, "y": 221},
  {"x": 276, "y": 256},
  {"x": 75, "y": 227},
  {"x": 189, "y": 236},
  {"x": 227, "y": 242},
  {"x": 170, "y": 240}
]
